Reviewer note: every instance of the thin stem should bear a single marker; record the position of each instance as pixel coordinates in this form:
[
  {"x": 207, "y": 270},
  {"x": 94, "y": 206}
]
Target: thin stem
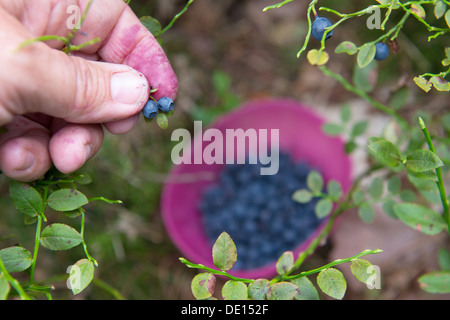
[
  {"x": 175, "y": 18},
  {"x": 364, "y": 95},
  {"x": 214, "y": 271},
  {"x": 13, "y": 282},
  {"x": 308, "y": 35},
  {"x": 440, "y": 182},
  {"x": 276, "y": 6},
  {"x": 332, "y": 264},
  {"x": 83, "y": 219},
  {"x": 114, "y": 292},
  {"x": 36, "y": 248}
]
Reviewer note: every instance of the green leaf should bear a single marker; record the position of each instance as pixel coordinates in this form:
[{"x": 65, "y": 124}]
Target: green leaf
[
  {"x": 365, "y": 78},
  {"x": 306, "y": 289},
  {"x": 66, "y": 200},
  {"x": 444, "y": 259},
  {"x": 203, "y": 285},
  {"x": 345, "y": 113},
  {"x": 333, "y": 129},
  {"x": 399, "y": 98},
  {"x": 346, "y": 47},
  {"x": 60, "y": 236},
  {"x": 316, "y": 57},
  {"x": 224, "y": 252},
  {"x": 359, "y": 128},
  {"x": 366, "y": 213},
  {"x": 366, "y": 54},
  {"x": 447, "y": 18},
  {"x": 323, "y": 208},
  {"x": 358, "y": 197},
  {"x": 302, "y": 196},
  {"x": 80, "y": 275},
  {"x": 152, "y": 25},
  {"x": 435, "y": 282},
  {"x": 376, "y": 188},
  {"x": 439, "y": 9},
  {"x": 419, "y": 217},
  {"x": 282, "y": 291},
  {"x": 4, "y": 287},
  {"x": 360, "y": 269},
  {"x": 16, "y": 258},
  {"x": 408, "y": 195},
  {"x": 25, "y": 198},
  {"x": 394, "y": 185},
  {"x": 332, "y": 282},
  {"x": 423, "y": 83},
  {"x": 440, "y": 83},
  {"x": 423, "y": 160},
  {"x": 334, "y": 190},
  {"x": 388, "y": 207},
  {"x": 257, "y": 290},
  {"x": 314, "y": 181},
  {"x": 418, "y": 10},
  {"x": 285, "y": 263},
  {"x": 234, "y": 290},
  {"x": 385, "y": 152}
]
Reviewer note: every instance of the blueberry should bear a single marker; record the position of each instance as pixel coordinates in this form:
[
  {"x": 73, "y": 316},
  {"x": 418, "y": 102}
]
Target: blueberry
[
  {"x": 150, "y": 109},
  {"x": 318, "y": 28},
  {"x": 165, "y": 104},
  {"x": 382, "y": 51}
]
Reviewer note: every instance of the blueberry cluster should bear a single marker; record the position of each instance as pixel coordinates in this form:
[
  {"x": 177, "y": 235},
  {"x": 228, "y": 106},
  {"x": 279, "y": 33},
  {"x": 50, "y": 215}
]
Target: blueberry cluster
[
  {"x": 152, "y": 107},
  {"x": 258, "y": 212}
]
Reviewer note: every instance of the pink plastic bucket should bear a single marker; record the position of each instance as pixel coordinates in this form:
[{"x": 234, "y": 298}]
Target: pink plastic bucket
[{"x": 300, "y": 135}]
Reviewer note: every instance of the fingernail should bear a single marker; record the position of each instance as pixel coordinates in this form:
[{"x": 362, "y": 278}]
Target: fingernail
[{"x": 129, "y": 87}]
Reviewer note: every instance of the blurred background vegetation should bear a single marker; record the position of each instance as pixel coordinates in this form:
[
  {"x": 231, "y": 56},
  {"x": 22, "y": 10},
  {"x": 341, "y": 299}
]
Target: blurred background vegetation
[{"x": 223, "y": 52}]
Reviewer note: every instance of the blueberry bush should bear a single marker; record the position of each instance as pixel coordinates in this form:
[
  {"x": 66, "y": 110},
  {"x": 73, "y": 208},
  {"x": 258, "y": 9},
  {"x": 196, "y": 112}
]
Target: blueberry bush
[{"x": 408, "y": 156}]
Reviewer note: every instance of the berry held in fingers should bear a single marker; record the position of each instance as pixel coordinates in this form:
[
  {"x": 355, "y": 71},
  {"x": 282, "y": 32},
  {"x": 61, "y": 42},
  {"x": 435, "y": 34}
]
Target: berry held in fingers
[
  {"x": 165, "y": 104},
  {"x": 150, "y": 110}
]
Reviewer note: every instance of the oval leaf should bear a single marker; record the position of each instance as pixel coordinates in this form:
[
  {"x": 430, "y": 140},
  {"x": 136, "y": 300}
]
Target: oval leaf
[
  {"x": 202, "y": 285},
  {"x": 423, "y": 83},
  {"x": 80, "y": 275},
  {"x": 285, "y": 263},
  {"x": 366, "y": 213},
  {"x": 421, "y": 218},
  {"x": 282, "y": 291},
  {"x": 436, "y": 282},
  {"x": 366, "y": 54},
  {"x": 334, "y": 189},
  {"x": 224, "y": 252},
  {"x": 346, "y": 47},
  {"x": 385, "y": 152},
  {"x": 316, "y": 57},
  {"x": 361, "y": 270},
  {"x": 257, "y": 290},
  {"x": 66, "y": 200},
  {"x": 323, "y": 208},
  {"x": 60, "y": 236},
  {"x": 152, "y": 25},
  {"x": 25, "y": 198},
  {"x": 423, "y": 160},
  {"x": 16, "y": 258},
  {"x": 306, "y": 289},
  {"x": 314, "y": 181},
  {"x": 332, "y": 282},
  {"x": 234, "y": 290},
  {"x": 302, "y": 196}
]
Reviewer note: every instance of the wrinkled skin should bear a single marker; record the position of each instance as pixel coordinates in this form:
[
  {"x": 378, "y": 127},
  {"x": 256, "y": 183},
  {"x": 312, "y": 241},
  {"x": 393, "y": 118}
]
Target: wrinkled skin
[{"x": 55, "y": 106}]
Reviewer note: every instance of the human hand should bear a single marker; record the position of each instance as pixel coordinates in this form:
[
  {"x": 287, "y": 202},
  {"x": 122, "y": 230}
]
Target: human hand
[{"x": 54, "y": 105}]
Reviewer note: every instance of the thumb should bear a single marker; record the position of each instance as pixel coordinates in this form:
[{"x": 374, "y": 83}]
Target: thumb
[{"x": 74, "y": 89}]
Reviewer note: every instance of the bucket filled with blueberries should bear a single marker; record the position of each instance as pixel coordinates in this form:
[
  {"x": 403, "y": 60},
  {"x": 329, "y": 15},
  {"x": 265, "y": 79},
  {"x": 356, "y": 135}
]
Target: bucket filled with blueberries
[{"x": 238, "y": 175}]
